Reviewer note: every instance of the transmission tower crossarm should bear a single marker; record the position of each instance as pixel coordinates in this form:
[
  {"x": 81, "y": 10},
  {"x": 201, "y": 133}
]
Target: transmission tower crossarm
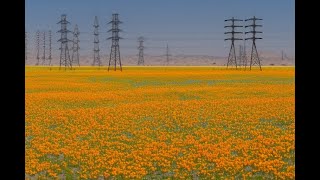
[
  {"x": 233, "y": 20},
  {"x": 64, "y": 40},
  {"x": 253, "y": 19},
  {"x": 63, "y": 31},
  {"x": 233, "y": 32},
  {"x": 63, "y": 22},
  {"x": 233, "y": 39},
  {"x": 233, "y": 26},
  {"x": 253, "y": 32},
  {"x": 254, "y": 25},
  {"x": 115, "y": 21},
  {"x": 115, "y": 38},
  {"x": 253, "y": 38},
  {"x": 115, "y": 30}
]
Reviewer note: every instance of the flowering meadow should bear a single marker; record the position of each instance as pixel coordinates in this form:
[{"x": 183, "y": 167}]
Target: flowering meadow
[{"x": 160, "y": 123}]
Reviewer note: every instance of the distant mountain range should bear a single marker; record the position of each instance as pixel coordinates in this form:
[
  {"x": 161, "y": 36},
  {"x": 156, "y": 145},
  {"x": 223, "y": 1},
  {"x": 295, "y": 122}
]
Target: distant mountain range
[{"x": 179, "y": 60}]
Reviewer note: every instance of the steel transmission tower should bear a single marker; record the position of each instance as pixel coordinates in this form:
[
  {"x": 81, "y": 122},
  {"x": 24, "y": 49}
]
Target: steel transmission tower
[
  {"x": 96, "y": 55},
  {"x": 49, "y": 58},
  {"x": 239, "y": 57},
  {"x": 168, "y": 54},
  {"x": 115, "y": 50},
  {"x": 254, "y": 60},
  {"x": 25, "y": 46},
  {"x": 232, "y": 58},
  {"x": 44, "y": 48},
  {"x": 283, "y": 55},
  {"x": 38, "y": 46},
  {"x": 75, "y": 47},
  {"x": 64, "y": 53},
  {"x": 242, "y": 55},
  {"x": 141, "y": 47}
]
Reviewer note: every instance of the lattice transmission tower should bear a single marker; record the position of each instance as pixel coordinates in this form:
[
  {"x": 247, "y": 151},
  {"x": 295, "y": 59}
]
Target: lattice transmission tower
[
  {"x": 115, "y": 50},
  {"x": 254, "y": 60},
  {"x": 44, "y": 47},
  {"x": 64, "y": 50},
  {"x": 242, "y": 55},
  {"x": 232, "y": 58},
  {"x": 96, "y": 50},
  {"x": 26, "y": 47},
  {"x": 50, "y": 42},
  {"x": 38, "y": 46},
  {"x": 75, "y": 46},
  {"x": 140, "y": 47},
  {"x": 284, "y": 56},
  {"x": 168, "y": 54}
]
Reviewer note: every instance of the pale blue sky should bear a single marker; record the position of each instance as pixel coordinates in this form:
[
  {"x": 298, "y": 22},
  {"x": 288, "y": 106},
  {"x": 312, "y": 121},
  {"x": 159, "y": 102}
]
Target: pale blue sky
[{"x": 188, "y": 26}]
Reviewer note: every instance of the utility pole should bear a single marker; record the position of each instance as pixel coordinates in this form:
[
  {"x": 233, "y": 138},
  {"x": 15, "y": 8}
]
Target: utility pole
[
  {"x": 232, "y": 58},
  {"x": 96, "y": 55},
  {"x": 254, "y": 60},
  {"x": 64, "y": 53},
  {"x": 115, "y": 50},
  {"x": 141, "y": 47}
]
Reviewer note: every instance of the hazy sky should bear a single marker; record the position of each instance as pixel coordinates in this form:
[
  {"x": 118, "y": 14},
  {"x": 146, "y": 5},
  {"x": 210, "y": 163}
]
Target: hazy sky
[{"x": 188, "y": 26}]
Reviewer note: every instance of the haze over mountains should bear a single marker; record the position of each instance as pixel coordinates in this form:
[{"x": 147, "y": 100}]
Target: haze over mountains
[{"x": 267, "y": 59}]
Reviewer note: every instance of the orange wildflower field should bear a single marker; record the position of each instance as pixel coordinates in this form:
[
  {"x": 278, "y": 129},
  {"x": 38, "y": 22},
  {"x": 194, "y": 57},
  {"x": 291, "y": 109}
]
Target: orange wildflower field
[{"x": 160, "y": 123}]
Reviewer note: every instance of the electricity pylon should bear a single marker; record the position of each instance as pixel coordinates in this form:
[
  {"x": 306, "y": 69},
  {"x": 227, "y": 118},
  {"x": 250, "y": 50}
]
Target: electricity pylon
[
  {"x": 115, "y": 50},
  {"x": 141, "y": 47},
  {"x": 254, "y": 60},
  {"x": 96, "y": 50},
  {"x": 64, "y": 53},
  {"x": 232, "y": 58}
]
